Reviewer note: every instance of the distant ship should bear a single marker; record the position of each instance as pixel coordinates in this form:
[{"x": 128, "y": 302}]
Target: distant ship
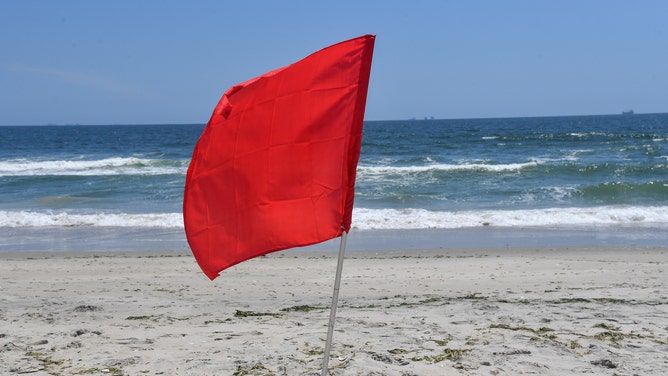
[{"x": 629, "y": 112}]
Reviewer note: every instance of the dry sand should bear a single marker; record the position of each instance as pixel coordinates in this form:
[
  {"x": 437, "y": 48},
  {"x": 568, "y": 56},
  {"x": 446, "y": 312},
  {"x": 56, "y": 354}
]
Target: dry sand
[{"x": 599, "y": 311}]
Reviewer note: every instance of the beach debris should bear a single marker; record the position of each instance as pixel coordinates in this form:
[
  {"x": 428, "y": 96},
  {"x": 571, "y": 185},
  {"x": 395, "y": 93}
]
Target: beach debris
[
  {"x": 381, "y": 357},
  {"x": 118, "y": 363},
  {"x": 239, "y": 313},
  {"x": 247, "y": 370},
  {"x": 607, "y": 363},
  {"x": 80, "y": 332},
  {"x": 302, "y": 308},
  {"x": 513, "y": 352},
  {"x": 38, "y": 343},
  {"x": 87, "y": 308}
]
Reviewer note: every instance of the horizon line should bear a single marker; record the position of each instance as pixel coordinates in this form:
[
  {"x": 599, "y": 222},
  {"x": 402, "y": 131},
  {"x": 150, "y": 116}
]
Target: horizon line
[{"x": 424, "y": 118}]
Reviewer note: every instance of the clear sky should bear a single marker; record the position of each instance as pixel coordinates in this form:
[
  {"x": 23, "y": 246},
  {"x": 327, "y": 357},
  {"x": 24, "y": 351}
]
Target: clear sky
[{"x": 134, "y": 61}]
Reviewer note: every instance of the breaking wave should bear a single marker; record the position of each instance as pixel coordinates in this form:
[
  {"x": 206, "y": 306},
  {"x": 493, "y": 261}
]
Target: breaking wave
[
  {"x": 385, "y": 170},
  {"x": 107, "y": 166},
  {"x": 378, "y": 219},
  {"x": 49, "y": 219}
]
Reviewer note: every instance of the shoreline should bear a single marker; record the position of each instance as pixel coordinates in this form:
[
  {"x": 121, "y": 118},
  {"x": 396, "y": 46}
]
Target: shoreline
[
  {"x": 309, "y": 252},
  {"x": 80, "y": 239},
  {"x": 549, "y": 311}
]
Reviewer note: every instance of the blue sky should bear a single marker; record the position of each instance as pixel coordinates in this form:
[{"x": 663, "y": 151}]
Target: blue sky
[{"x": 128, "y": 62}]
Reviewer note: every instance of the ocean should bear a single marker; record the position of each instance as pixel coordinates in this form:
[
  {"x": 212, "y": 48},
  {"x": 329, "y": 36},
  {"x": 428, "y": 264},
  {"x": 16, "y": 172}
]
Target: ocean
[{"x": 595, "y": 180}]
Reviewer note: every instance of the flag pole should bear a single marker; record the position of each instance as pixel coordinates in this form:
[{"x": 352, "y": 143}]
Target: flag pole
[{"x": 335, "y": 299}]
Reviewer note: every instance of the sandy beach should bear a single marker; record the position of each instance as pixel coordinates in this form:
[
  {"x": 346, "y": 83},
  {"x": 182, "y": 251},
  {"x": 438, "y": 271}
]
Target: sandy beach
[{"x": 541, "y": 311}]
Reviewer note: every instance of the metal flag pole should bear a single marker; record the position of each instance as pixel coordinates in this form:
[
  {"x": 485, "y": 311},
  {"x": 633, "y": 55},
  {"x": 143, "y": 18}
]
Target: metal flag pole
[{"x": 335, "y": 299}]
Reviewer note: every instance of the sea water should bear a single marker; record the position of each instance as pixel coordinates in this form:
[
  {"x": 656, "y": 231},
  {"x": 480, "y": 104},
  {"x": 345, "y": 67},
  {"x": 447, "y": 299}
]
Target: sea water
[{"x": 461, "y": 182}]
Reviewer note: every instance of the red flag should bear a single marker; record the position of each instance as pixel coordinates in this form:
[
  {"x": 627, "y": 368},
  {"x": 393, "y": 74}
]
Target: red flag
[{"x": 275, "y": 166}]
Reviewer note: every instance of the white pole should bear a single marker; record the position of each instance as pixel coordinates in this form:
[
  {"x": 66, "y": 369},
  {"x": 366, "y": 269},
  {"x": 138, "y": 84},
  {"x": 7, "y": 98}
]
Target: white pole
[{"x": 335, "y": 299}]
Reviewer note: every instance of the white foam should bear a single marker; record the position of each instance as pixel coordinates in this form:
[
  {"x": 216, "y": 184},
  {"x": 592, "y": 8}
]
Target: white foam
[
  {"x": 383, "y": 170},
  {"x": 368, "y": 219},
  {"x": 586, "y": 134},
  {"x": 377, "y": 219},
  {"x": 107, "y": 166},
  {"x": 143, "y": 166},
  {"x": 47, "y": 219}
]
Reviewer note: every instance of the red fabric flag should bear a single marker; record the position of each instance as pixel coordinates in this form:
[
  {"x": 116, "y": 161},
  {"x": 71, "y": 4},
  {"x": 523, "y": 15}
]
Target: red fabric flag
[{"x": 275, "y": 166}]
